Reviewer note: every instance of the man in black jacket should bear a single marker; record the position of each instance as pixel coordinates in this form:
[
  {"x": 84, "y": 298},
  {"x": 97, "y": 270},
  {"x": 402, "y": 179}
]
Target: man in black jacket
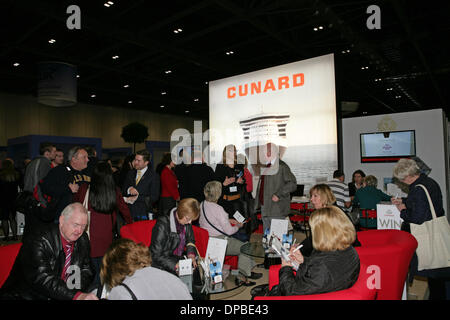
[
  {"x": 43, "y": 267},
  {"x": 143, "y": 183},
  {"x": 63, "y": 182}
]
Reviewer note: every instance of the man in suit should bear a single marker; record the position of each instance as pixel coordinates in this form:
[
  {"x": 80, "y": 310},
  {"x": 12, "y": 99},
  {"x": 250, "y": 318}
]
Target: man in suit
[
  {"x": 274, "y": 187},
  {"x": 142, "y": 184}
]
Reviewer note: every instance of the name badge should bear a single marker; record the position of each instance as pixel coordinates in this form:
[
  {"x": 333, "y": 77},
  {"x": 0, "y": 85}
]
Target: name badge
[{"x": 233, "y": 189}]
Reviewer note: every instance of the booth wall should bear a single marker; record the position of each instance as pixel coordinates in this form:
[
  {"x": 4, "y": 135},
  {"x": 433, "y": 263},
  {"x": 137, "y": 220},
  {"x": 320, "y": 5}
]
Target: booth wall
[
  {"x": 22, "y": 115},
  {"x": 431, "y": 144}
]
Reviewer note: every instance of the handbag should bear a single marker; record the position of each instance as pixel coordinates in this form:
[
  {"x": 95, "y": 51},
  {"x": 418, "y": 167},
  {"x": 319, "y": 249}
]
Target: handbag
[
  {"x": 86, "y": 205},
  {"x": 433, "y": 237},
  {"x": 198, "y": 275}
]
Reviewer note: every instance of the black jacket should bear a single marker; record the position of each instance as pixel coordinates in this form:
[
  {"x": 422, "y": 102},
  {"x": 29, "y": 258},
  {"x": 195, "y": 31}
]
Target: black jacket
[
  {"x": 148, "y": 188},
  {"x": 417, "y": 207},
  {"x": 36, "y": 274},
  {"x": 320, "y": 273},
  {"x": 165, "y": 240},
  {"x": 56, "y": 185},
  {"x": 194, "y": 179}
]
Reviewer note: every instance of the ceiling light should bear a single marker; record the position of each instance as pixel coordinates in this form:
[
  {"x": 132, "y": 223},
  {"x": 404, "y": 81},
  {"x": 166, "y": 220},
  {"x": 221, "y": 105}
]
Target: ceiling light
[
  {"x": 115, "y": 57},
  {"x": 168, "y": 71},
  {"x": 78, "y": 75},
  {"x": 178, "y": 30},
  {"x": 315, "y": 29},
  {"x": 320, "y": 27},
  {"x": 206, "y": 82},
  {"x": 51, "y": 41},
  {"x": 93, "y": 95},
  {"x": 163, "y": 93},
  {"x": 161, "y": 106},
  {"x": 108, "y": 4},
  {"x": 398, "y": 97},
  {"x": 187, "y": 111},
  {"x": 16, "y": 64},
  {"x": 229, "y": 53},
  {"x": 196, "y": 99},
  {"x": 130, "y": 101},
  {"x": 126, "y": 85}
]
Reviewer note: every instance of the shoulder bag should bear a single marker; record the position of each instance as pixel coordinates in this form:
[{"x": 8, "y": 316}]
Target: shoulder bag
[{"x": 433, "y": 237}]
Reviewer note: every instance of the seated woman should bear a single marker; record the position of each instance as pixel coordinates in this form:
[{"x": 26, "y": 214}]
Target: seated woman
[
  {"x": 215, "y": 219},
  {"x": 322, "y": 197},
  {"x": 333, "y": 264},
  {"x": 172, "y": 235},
  {"x": 126, "y": 274},
  {"x": 368, "y": 197}
]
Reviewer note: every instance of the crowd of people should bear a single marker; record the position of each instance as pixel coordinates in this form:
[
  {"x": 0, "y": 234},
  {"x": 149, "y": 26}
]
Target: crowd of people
[{"x": 73, "y": 251}]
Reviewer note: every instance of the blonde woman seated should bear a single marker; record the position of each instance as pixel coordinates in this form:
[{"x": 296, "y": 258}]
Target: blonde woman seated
[
  {"x": 322, "y": 197},
  {"x": 126, "y": 274},
  {"x": 333, "y": 264},
  {"x": 215, "y": 219}
]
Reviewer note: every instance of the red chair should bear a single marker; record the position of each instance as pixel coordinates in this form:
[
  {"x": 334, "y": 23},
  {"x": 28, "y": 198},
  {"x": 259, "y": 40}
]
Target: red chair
[
  {"x": 8, "y": 255},
  {"x": 201, "y": 239},
  {"x": 366, "y": 216},
  {"x": 139, "y": 231},
  {"x": 359, "y": 291},
  {"x": 390, "y": 251}
]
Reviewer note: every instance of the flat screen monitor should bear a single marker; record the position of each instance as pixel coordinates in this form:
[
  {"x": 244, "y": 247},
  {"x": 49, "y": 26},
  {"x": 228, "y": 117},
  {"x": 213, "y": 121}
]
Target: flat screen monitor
[{"x": 387, "y": 146}]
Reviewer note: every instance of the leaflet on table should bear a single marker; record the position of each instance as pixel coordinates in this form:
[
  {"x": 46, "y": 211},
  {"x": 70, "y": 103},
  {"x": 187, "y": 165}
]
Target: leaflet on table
[
  {"x": 239, "y": 217},
  {"x": 279, "y": 227}
]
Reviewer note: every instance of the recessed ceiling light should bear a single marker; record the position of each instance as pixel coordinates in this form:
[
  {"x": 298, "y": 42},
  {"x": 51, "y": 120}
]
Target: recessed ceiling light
[
  {"x": 16, "y": 64},
  {"x": 178, "y": 30},
  {"x": 187, "y": 111},
  {"x": 78, "y": 75},
  {"x": 161, "y": 106},
  {"x": 130, "y": 101},
  {"x": 126, "y": 85},
  {"x": 108, "y": 4},
  {"x": 206, "y": 82},
  {"x": 115, "y": 57},
  {"x": 93, "y": 95},
  {"x": 168, "y": 71},
  {"x": 320, "y": 27},
  {"x": 196, "y": 99},
  {"x": 315, "y": 29},
  {"x": 51, "y": 41},
  {"x": 163, "y": 93},
  {"x": 229, "y": 53}
]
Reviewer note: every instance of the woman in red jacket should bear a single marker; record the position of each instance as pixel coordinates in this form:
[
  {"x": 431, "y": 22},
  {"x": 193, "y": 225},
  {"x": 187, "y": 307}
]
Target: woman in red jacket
[
  {"x": 169, "y": 186},
  {"x": 103, "y": 199}
]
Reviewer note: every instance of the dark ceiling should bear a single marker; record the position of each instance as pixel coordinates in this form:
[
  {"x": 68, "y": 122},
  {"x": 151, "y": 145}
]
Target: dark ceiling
[{"x": 407, "y": 60}]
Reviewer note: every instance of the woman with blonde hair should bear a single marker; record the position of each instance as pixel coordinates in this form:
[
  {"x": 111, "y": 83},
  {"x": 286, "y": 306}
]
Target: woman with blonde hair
[
  {"x": 171, "y": 235},
  {"x": 322, "y": 197},
  {"x": 333, "y": 264},
  {"x": 127, "y": 274}
]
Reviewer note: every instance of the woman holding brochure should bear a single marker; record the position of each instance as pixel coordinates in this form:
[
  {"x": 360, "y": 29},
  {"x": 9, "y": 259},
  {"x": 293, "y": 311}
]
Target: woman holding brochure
[
  {"x": 334, "y": 263},
  {"x": 215, "y": 219}
]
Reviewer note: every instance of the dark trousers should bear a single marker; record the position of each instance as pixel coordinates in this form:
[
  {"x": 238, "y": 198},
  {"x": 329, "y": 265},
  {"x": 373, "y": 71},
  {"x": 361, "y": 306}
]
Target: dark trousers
[{"x": 97, "y": 264}]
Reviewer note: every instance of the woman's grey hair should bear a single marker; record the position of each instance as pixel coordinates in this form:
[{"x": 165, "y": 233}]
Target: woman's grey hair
[
  {"x": 405, "y": 168},
  {"x": 371, "y": 181},
  {"x": 67, "y": 212},
  {"x": 212, "y": 191}
]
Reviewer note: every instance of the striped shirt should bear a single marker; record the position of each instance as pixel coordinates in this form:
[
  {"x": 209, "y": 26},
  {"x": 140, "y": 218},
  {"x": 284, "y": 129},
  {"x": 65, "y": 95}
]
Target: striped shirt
[{"x": 340, "y": 191}]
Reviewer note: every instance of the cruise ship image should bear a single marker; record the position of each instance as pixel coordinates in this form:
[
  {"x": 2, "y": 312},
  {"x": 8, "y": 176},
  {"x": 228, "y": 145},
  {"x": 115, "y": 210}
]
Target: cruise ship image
[{"x": 261, "y": 129}]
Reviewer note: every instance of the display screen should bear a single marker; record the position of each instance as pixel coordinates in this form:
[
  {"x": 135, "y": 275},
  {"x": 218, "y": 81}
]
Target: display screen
[{"x": 387, "y": 146}]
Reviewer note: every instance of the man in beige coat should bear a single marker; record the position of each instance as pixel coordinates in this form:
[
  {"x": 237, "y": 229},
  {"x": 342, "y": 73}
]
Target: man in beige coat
[{"x": 274, "y": 186}]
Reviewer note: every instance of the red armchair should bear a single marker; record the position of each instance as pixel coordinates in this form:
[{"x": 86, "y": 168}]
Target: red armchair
[
  {"x": 390, "y": 251},
  {"x": 139, "y": 231},
  {"x": 8, "y": 255},
  {"x": 359, "y": 291}
]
